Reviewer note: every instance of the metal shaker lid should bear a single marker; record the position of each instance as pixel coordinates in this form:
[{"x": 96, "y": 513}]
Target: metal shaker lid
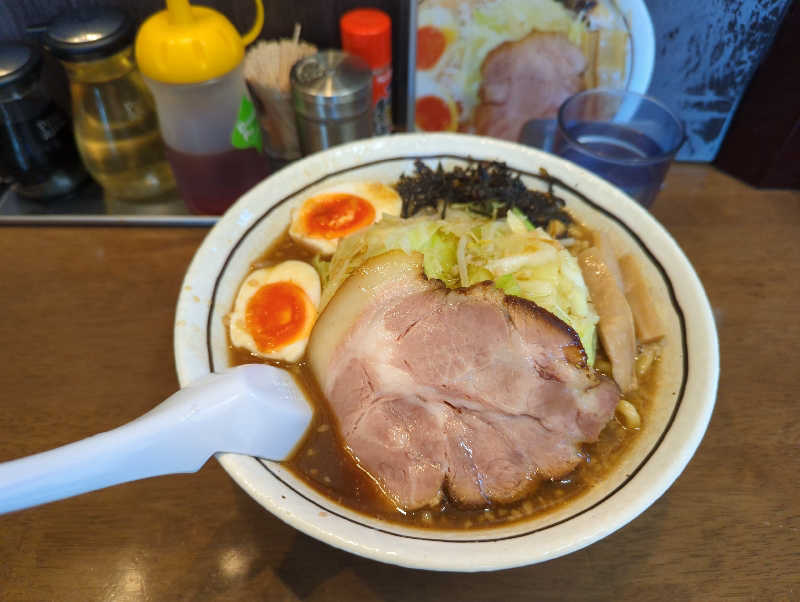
[
  {"x": 331, "y": 85},
  {"x": 89, "y": 33},
  {"x": 17, "y": 61}
]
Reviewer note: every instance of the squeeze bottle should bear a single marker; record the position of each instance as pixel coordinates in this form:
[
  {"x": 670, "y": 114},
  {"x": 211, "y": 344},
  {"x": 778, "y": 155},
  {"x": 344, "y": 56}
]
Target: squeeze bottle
[{"x": 192, "y": 59}]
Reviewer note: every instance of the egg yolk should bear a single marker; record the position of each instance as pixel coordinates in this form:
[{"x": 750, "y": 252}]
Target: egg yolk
[
  {"x": 430, "y": 46},
  {"x": 276, "y": 315},
  {"x": 336, "y": 215},
  {"x": 432, "y": 114}
]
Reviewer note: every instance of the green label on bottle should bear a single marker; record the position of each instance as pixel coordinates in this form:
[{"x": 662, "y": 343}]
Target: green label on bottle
[{"x": 246, "y": 131}]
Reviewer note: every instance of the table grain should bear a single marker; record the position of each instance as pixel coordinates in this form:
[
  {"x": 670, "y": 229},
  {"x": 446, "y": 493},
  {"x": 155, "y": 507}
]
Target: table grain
[{"x": 86, "y": 331}]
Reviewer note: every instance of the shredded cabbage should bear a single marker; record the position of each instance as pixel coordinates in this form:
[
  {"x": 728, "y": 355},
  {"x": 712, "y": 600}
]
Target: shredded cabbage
[{"x": 465, "y": 249}]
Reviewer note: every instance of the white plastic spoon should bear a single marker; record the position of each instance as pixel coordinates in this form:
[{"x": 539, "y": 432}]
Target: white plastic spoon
[{"x": 252, "y": 409}]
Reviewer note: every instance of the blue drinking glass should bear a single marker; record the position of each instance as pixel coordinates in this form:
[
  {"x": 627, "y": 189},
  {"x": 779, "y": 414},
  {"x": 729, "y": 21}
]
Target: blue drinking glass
[{"x": 626, "y": 138}]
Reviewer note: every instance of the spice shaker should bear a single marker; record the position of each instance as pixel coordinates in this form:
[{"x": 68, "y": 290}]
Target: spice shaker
[
  {"x": 37, "y": 149},
  {"x": 367, "y": 33},
  {"x": 192, "y": 58},
  {"x": 332, "y": 98},
  {"x": 113, "y": 114}
]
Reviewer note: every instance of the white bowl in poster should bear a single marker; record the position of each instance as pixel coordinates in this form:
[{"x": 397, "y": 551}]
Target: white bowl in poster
[{"x": 454, "y": 75}]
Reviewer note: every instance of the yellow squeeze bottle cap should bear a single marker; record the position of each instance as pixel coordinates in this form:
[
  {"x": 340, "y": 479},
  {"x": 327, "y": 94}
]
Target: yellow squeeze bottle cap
[{"x": 187, "y": 44}]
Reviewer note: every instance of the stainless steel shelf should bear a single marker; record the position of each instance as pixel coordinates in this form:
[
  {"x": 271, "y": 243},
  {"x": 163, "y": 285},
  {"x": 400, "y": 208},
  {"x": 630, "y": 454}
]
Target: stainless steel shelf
[{"x": 87, "y": 207}]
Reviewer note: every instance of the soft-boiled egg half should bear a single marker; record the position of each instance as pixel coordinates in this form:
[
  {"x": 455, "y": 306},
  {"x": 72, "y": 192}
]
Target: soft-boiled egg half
[
  {"x": 340, "y": 210},
  {"x": 275, "y": 310}
]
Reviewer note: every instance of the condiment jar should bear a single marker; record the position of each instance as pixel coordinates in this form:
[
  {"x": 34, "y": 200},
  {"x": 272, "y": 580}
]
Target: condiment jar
[
  {"x": 192, "y": 59},
  {"x": 332, "y": 98},
  {"x": 114, "y": 116},
  {"x": 37, "y": 149},
  {"x": 367, "y": 33}
]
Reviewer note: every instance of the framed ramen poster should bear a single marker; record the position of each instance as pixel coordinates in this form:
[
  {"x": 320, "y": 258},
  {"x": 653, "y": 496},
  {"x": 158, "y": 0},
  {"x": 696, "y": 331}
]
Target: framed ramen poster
[{"x": 492, "y": 66}]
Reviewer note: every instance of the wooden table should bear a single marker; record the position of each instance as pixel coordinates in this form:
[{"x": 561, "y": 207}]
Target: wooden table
[{"x": 86, "y": 327}]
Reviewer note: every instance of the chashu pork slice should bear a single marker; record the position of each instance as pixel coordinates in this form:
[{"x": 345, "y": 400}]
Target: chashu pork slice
[{"x": 467, "y": 393}]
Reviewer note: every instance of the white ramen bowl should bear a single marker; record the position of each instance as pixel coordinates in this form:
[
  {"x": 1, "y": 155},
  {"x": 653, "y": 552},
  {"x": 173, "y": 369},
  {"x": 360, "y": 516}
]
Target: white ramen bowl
[{"x": 673, "y": 425}]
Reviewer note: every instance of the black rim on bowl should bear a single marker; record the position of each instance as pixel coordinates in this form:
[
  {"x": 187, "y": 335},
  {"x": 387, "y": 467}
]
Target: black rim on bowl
[{"x": 554, "y": 184}]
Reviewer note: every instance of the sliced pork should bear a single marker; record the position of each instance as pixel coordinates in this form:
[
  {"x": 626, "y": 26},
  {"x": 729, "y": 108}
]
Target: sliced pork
[
  {"x": 526, "y": 79},
  {"x": 467, "y": 393}
]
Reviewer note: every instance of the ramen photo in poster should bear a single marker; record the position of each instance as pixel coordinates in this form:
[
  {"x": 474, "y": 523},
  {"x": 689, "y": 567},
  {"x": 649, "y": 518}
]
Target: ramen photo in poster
[{"x": 490, "y": 66}]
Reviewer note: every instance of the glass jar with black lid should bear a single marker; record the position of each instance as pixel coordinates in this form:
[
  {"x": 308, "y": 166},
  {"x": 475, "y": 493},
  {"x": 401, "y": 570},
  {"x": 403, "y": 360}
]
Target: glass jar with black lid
[
  {"x": 113, "y": 112},
  {"x": 37, "y": 149}
]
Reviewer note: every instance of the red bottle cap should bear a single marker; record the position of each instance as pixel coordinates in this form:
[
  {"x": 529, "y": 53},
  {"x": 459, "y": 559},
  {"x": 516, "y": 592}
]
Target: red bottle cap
[{"x": 367, "y": 32}]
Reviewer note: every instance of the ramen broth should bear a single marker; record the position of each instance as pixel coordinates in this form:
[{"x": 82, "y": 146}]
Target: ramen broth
[{"x": 322, "y": 462}]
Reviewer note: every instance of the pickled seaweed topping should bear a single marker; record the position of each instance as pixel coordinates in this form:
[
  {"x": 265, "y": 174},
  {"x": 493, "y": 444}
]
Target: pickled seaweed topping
[{"x": 488, "y": 188}]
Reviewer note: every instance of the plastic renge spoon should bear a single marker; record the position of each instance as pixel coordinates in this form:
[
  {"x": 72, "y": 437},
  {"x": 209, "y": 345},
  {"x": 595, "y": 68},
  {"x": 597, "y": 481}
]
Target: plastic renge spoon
[{"x": 252, "y": 409}]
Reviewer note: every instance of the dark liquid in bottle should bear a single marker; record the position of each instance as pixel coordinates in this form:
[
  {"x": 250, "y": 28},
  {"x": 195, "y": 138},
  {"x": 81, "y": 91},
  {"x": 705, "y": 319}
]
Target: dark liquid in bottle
[
  {"x": 37, "y": 148},
  {"x": 615, "y": 151},
  {"x": 211, "y": 183}
]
